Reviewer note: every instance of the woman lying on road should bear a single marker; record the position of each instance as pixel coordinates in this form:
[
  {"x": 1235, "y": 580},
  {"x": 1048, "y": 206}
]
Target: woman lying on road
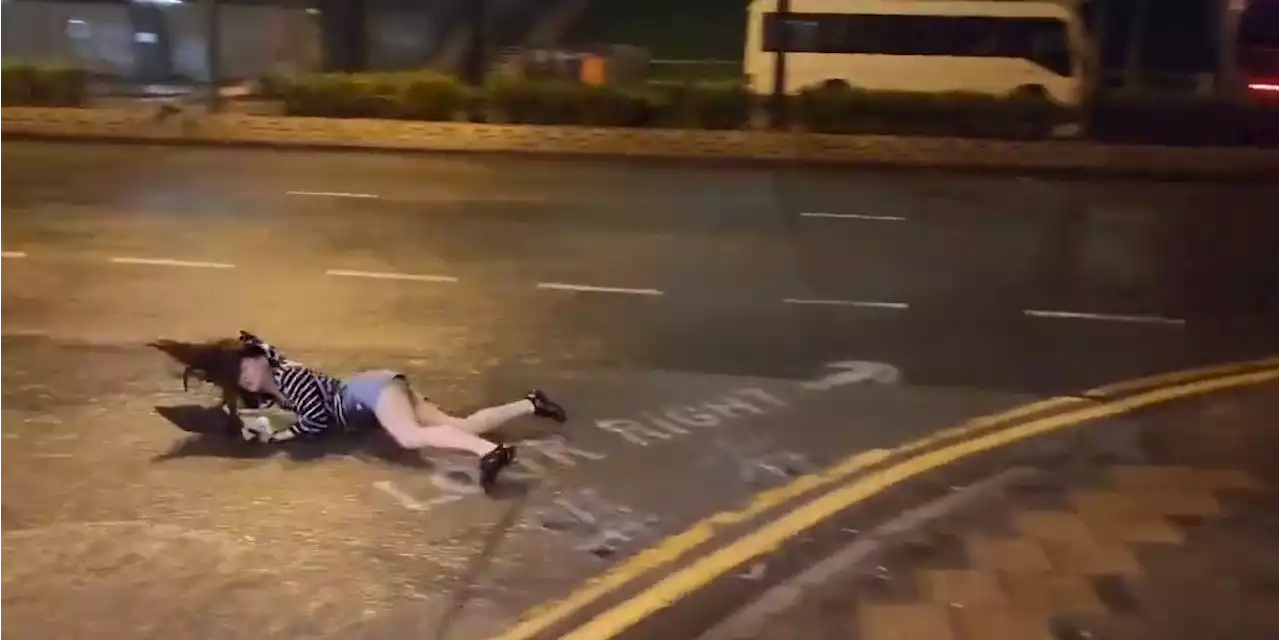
[{"x": 322, "y": 403}]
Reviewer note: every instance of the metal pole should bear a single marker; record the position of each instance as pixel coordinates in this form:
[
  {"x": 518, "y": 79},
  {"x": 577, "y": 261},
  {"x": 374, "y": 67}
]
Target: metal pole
[
  {"x": 1228, "y": 76},
  {"x": 1133, "y": 55},
  {"x": 357, "y": 24},
  {"x": 213, "y": 53},
  {"x": 1101, "y": 38},
  {"x": 782, "y": 41},
  {"x": 474, "y": 70}
]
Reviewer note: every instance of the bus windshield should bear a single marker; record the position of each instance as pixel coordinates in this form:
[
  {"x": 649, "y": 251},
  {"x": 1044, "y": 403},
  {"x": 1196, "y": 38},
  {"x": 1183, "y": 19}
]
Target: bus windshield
[
  {"x": 1258, "y": 25},
  {"x": 1258, "y": 40}
]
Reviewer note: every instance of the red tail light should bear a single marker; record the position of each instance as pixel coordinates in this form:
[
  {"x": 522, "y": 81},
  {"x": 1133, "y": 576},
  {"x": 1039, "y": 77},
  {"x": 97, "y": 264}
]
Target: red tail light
[{"x": 1264, "y": 87}]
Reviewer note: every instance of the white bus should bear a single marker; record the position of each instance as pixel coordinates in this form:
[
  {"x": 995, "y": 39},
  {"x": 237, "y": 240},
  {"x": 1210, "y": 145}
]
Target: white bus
[{"x": 996, "y": 47}]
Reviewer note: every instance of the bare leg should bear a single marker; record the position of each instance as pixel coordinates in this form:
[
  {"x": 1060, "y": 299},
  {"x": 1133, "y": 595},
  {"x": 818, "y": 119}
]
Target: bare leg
[
  {"x": 477, "y": 423},
  {"x": 395, "y": 412}
]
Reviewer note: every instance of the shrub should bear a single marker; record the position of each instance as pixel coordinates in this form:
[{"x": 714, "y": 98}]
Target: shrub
[
  {"x": 398, "y": 95},
  {"x": 840, "y": 109},
  {"x": 1181, "y": 120},
  {"x": 562, "y": 102},
  {"x": 427, "y": 96},
  {"x": 43, "y": 85},
  {"x": 706, "y": 105}
]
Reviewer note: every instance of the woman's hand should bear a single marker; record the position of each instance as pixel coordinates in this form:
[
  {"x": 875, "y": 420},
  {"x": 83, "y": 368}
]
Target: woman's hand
[
  {"x": 257, "y": 428},
  {"x": 261, "y": 429}
]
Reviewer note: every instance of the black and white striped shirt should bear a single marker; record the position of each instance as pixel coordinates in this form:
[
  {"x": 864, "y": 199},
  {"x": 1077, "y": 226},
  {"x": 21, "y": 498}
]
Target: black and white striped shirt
[{"x": 315, "y": 398}]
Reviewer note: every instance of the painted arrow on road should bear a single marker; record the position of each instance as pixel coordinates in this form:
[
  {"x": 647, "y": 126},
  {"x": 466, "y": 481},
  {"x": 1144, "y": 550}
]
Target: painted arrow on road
[{"x": 854, "y": 372}]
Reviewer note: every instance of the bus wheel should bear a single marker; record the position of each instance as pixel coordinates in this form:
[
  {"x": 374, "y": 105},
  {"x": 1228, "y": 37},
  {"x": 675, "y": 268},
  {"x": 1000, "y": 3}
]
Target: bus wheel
[
  {"x": 1035, "y": 111},
  {"x": 1031, "y": 92},
  {"x": 835, "y": 84}
]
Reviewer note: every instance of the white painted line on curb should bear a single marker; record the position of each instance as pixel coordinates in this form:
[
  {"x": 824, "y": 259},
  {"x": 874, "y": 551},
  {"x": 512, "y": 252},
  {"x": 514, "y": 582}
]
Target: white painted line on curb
[
  {"x": 1076, "y": 315},
  {"x": 405, "y": 500},
  {"x": 377, "y": 275},
  {"x": 13, "y": 254},
  {"x": 563, "y": 286},
  {"x": 869, "y": 304},
  {"x": 166, "y": 262},
  {"x": 851, "y": 216},
  {"x": 334, "y": 194}
]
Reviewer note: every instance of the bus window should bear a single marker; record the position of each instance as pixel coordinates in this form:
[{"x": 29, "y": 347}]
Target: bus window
[
  {"x": 802, "y": 34},
  {"x": 1044, "y": 42},
  {"x": 1039, "y": 40}
]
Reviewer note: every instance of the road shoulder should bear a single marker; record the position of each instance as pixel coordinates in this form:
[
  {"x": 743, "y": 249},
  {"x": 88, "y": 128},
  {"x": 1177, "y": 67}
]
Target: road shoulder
[{"x": 1160, "y": 523}]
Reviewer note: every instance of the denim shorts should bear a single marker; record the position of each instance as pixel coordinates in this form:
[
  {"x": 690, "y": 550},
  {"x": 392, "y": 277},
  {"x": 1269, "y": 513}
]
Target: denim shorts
[{"x": 360, "y": 393}]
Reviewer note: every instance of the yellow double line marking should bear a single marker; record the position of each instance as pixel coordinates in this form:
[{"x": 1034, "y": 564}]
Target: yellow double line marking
[{"x": 666, "y": 592}]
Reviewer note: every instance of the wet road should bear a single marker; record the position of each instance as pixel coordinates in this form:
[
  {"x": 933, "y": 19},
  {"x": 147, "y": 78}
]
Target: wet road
[{"x": 673, "y": 308}]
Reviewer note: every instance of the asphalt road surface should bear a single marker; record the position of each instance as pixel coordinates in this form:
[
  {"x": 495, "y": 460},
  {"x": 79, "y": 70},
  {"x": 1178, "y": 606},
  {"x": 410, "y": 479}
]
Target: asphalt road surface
[{"x": 676, "y": 309}]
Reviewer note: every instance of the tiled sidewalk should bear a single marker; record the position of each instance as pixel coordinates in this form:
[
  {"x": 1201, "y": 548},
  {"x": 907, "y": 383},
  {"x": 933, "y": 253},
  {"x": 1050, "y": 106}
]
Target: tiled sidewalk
[{"x": 1182, "y": 546}]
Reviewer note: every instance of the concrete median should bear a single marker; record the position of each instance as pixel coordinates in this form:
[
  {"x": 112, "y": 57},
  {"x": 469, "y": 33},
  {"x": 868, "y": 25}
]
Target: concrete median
[{"x": 887, "y": 151}]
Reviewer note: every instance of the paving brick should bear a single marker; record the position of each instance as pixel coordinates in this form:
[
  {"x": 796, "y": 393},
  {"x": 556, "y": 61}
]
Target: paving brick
[
  {"x": 1133, "y": 528},
  {"x": 934, "y": 550},
  {"x": 1049, "y": 593},
  {"x": 1092, "y": 557},
  {"x": 1110, "y": 628},
  {"x": 1053, "y": 526},
  {"x": 1181, "y": 502},
  {"x": 1173, "y": 552},
  {"x": 1218, "y": 479},
  {"x": 904, "y": 622},
  {"x": 1101, "y": 502},
  {"x": 1010, "y": 554},
  {"x": 1174, "y": 479},
  {"x": 999, "y": 623},
  {"x": 961, "y": 587},
  {"x": 1155, "y": 478},
  {"x": 887, "y": 584}
]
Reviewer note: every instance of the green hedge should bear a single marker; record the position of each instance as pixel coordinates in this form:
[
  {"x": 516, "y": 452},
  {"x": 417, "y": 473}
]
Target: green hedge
[
  {"x": 43, "y": 85},
  {"x": 425, "y": 96},
  {"x": 1182, "y": 120},
  {"x": 726, "y": 104},
  {"x": 840, "y": 109},
  {"x": 403, "y": 96},
  {"x": 705, "y": 105}
]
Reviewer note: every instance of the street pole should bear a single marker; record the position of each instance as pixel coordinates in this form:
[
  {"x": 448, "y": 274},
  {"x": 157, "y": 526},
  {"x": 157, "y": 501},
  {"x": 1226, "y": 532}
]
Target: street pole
[
  {"x": 213, "y": 53},
  {"x": 1228, "y": 72},
  {"x": 1101, "y": 38},
  {"x": 782, "y": 42},
  {"x": 473, "y": 70},
  {"x": 1133, "y": 55}
]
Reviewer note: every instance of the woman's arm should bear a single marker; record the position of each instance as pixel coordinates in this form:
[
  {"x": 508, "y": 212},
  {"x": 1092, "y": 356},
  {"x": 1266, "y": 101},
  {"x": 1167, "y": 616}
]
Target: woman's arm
[
  {"x": 314, "y": 421},
  {"x": 304, "y": 392}
]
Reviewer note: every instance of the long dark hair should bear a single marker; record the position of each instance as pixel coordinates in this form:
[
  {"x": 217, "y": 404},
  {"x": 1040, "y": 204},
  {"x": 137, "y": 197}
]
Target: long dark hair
[{"x": 215, "y": 362}]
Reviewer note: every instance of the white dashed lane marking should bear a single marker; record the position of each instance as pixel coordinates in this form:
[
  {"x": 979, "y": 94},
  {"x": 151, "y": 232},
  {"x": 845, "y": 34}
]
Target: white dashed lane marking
[
  {"x": 333, "y": 194},
  {"x": 564, "y": 286},
  {"x": 168, "y": 262},
  {"x": 586, "y": 288},
  {"x": 1077, "y": 315},
  {"x": 851, "y": 216},
  {"x": 868, "y": 304},
  {"x": 379, "y": 275}
]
